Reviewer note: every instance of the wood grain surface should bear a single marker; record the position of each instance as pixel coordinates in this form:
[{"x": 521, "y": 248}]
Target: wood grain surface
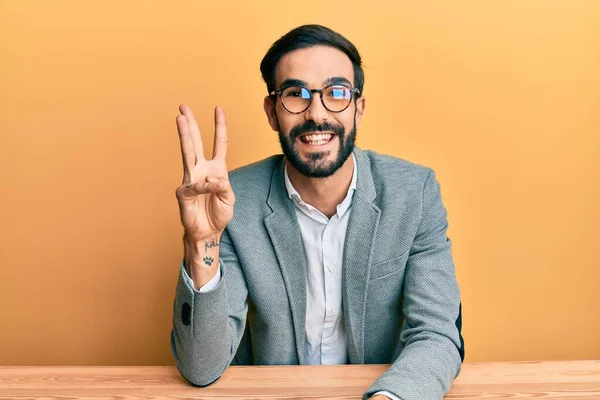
[{"x": 505, "y": 380}]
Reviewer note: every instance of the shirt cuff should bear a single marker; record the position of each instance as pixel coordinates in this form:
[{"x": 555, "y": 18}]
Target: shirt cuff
[
  {"x": 208, "y": 286},
  {"x": 388, "y": 394}
]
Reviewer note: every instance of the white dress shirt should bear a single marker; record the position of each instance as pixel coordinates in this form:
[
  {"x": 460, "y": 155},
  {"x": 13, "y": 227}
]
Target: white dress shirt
[{"x": 323, "y": 238}]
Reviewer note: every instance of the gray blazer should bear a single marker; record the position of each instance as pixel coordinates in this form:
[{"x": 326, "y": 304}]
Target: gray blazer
[{"x": 400, "y": 297}]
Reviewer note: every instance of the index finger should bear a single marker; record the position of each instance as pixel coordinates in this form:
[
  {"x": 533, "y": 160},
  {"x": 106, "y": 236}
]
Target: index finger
[
  {"x": 187, "y": 145},
  {"x": 194, "y": 131},
  {"x": 220, "y": 147}
]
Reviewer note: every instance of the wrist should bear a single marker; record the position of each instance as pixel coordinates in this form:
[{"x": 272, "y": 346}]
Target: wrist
[
  {"x": 201, "y": 243},
  {"x": 201, "y": 258}
]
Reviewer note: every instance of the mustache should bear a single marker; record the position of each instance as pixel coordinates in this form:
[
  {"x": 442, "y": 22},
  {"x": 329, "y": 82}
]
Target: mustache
[{"x": 311, "y": 126}]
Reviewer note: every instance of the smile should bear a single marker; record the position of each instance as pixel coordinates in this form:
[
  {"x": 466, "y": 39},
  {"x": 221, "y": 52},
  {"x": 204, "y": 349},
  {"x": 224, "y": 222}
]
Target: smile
[{"x": 316, "y": 139}]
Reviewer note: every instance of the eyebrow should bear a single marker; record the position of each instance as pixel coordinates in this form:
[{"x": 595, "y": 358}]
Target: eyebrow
[
  {"x": 337, "y": 80},
  {"x": 329, "y": 81},
  {"x": 292, "y": 82}
]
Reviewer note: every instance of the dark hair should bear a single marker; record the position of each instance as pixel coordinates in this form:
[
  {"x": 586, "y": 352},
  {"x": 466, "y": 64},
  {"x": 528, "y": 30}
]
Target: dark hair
[{"x": 308, "y": 36}]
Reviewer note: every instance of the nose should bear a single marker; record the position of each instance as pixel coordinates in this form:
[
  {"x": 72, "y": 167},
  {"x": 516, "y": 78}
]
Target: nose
[{"x": 316, "y": 111}]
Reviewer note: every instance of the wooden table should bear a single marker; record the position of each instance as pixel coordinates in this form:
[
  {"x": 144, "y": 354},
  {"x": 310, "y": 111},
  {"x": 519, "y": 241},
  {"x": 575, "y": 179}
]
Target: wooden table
[{"x": 540, "y": 380}]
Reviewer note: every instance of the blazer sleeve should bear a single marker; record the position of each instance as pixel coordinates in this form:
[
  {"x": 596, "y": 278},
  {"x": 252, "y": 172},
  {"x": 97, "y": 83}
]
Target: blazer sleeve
[
  {"x": 433, "y": 349},
  {"x": 208, "y": 326}
]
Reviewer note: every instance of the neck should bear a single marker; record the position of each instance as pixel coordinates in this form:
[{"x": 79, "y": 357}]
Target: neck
[{"x": 325, "y": 194}]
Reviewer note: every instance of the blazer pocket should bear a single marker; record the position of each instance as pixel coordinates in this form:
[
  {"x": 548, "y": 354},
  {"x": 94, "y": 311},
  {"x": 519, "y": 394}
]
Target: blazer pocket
[{"x": 389, "y": 267}]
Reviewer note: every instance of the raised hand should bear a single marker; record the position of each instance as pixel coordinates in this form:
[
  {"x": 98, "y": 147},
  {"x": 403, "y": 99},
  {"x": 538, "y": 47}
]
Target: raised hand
[{"x": 205, "y": 197}]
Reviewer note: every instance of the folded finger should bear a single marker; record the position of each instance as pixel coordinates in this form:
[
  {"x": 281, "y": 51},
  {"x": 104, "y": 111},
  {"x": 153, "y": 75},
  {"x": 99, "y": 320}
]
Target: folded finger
[{"x": 197, "y": 188}]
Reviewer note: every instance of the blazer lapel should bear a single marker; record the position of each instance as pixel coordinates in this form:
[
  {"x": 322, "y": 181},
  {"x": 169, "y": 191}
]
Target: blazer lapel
[
  {"x": 360, "y": 236},
  {"x": 284, "y": 231}
]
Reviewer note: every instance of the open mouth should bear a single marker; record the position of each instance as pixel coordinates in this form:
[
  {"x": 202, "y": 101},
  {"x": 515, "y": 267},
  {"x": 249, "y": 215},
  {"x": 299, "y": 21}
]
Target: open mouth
[{"x": 316, "y": 139}]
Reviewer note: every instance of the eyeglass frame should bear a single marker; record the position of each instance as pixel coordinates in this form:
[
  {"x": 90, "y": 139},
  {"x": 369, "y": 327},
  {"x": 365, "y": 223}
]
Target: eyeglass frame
[{"x": 278, "y": 93}]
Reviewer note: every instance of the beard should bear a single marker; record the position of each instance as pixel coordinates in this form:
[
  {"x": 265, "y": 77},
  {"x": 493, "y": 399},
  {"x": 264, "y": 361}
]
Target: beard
[{"x": 318, "y": 166}]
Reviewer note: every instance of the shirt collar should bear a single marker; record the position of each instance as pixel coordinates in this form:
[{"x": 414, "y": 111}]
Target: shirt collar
[{"x": 341, "y": 208}]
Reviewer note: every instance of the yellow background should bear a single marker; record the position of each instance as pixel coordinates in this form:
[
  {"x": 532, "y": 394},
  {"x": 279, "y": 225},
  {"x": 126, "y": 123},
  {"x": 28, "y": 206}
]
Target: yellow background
[{"x": 501, "y": 98}]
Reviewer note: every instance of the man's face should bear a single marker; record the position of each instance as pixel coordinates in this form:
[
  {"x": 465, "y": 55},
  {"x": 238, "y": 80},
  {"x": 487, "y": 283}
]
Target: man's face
[{"x": 315, "y": 156}]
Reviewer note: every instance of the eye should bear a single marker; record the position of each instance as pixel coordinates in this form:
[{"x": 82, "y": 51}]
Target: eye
[
  {"x": 293, "y": 93},
  {"x": 296, "y": 92},
  {"x": 338, "y": 93}
]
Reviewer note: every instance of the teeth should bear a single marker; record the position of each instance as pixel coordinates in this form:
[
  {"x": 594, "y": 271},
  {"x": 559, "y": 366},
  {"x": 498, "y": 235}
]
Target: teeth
[{"x": 317, "y": 139}]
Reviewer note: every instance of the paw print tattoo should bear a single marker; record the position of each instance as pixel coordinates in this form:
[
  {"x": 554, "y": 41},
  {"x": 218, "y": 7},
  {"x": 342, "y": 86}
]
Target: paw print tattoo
[{"x": 208, "y": 260}]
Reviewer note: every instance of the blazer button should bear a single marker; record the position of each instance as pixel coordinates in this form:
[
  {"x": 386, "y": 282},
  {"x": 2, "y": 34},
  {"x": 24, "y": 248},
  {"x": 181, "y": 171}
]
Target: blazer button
[{"x": 186, "y": 312}]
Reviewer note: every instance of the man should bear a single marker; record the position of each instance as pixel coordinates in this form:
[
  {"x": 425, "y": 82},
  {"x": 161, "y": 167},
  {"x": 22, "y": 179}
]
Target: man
[{"x": 326, "y": 254}]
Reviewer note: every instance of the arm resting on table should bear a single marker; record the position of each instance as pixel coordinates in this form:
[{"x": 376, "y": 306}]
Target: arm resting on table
[{"x": 431, "y": 334}]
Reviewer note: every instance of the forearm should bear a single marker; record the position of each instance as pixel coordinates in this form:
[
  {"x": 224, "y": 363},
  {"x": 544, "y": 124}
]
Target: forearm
[
  {"x": 201, "y": 259},
  {"x": 202, "y": 332},
  {"x": 425, "y": 369},
  {"x": 208, "y": 326}
]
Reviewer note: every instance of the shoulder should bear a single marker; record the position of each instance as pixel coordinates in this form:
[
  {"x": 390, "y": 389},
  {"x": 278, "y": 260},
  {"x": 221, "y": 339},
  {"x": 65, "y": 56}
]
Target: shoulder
[
  {"x": 393, "y": 172},
  {"x": 251, "y": 185},
  {"x": 256, "y": 175},
  {"x": 403, "y": 188}
]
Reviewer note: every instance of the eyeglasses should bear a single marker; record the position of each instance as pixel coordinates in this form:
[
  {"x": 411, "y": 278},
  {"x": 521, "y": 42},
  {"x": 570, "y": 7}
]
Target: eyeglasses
[{"x": 335, "y": 98}]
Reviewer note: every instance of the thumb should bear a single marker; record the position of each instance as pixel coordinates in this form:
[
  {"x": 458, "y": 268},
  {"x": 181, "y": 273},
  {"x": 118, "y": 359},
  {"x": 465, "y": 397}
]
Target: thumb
[{"x": 224, "y": 189}]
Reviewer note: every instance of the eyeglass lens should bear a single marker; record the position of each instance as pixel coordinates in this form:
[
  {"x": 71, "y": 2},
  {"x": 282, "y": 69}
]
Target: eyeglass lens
[{"x": 298, "y": 98}]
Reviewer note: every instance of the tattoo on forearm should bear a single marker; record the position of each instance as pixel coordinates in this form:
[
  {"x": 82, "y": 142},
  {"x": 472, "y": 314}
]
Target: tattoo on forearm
[
  {"x": 210, "y": 244},
  {"x": 208, "y": 261}
]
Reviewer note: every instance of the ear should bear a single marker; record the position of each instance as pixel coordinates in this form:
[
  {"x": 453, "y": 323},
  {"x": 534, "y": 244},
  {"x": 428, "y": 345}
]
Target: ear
[
  {"x": 269, "y": 106},
  {"x": 361, "y": 103}
]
